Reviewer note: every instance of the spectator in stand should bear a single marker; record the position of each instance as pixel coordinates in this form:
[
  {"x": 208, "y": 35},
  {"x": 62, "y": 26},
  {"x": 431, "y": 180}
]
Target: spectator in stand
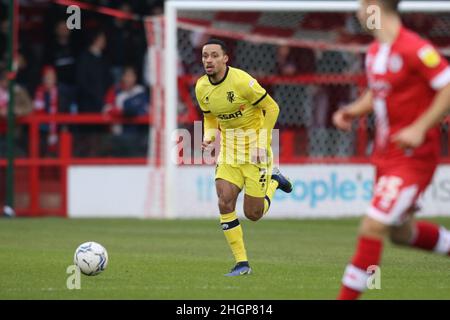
[
  {"x": 295, "y": 61},
  {"x": 128, "y": 99},
  {"x": 22, "y": 106},
  {"x": 27, "y": 75},
  {"x": 93, "y": 79},
  {"x": 125, "y": 33},
  {"x": 61, "y": 54},
  {"x": 47, "y": 101},
  {"x": 3, "y": 39},
  {"x": 93, "y": 76},
  {"x": 119, "y": 34},
  {"x": 4, "y": 98},
  {"x": 297, "y": 99}
]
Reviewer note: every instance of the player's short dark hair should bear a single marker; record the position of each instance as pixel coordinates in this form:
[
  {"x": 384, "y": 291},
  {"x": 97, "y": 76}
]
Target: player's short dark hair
[
  {"x": 390, "y": 5},
  {"x": 218, "y": 42}
]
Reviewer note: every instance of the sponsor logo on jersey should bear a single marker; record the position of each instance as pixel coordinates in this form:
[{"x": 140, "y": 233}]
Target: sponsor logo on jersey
[
  {"x": 380, "y": 87},
  {"x": 229, "y": 116},
  {"x": 230, "y": 96},
  {"x": 429, "y": 56}
]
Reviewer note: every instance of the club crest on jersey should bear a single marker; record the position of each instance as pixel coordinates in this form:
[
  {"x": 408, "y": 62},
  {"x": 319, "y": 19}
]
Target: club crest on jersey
[
  {"x": 429, "y": 56},
  {"x": 395, "y": 63},
  {"x": 230, "y": 96}
]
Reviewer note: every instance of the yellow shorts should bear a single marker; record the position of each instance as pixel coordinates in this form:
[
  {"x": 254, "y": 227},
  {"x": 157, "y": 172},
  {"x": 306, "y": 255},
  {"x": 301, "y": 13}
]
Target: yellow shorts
[{"x": 255, "y": 177}]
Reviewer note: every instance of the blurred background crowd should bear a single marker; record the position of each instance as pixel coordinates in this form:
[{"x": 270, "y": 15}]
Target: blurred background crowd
[{"x": 98, "y": 69}]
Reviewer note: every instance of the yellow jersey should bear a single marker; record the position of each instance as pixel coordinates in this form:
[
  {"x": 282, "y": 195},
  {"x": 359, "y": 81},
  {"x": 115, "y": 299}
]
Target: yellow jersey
[{"x": 234, "y": 102}]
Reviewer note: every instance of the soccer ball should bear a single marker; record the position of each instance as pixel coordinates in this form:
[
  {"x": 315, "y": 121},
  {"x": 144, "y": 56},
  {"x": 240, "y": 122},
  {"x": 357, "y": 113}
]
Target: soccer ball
[{"x": 91, "y": 258}]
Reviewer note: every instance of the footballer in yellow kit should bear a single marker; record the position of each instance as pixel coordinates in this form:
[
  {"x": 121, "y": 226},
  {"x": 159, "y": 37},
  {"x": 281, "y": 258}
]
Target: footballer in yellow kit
[{"x": 235, "y": 104}]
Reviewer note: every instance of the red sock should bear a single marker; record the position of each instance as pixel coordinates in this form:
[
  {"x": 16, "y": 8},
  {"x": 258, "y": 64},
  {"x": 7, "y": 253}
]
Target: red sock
[
  {"x": 368, "y": 252},
  {"x": 347, "y": 293},
  {"x": 427, "y": 235}
]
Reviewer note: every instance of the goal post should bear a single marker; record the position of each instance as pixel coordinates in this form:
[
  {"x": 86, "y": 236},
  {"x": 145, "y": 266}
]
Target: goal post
[
  {"x": 172, "y": 51},
  {"x": 171, "y": 101}
]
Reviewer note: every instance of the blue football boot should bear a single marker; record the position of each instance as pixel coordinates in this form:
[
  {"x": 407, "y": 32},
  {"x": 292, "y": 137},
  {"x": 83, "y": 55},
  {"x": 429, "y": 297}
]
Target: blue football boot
[
  {"x": 240, "y": 269},
  {"x": 283, "y": 183}
]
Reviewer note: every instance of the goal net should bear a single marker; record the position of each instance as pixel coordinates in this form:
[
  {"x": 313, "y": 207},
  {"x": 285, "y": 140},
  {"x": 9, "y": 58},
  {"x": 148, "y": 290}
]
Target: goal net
[{"x": 309, "y": 55}]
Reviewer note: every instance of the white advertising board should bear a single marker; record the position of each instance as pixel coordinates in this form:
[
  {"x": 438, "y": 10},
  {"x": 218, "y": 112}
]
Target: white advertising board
[{"x": 319, "y": 191}]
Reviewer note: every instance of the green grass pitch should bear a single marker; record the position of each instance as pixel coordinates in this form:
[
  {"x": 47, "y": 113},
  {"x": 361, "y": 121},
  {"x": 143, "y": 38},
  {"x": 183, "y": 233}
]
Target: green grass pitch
[{"x": 186, "y": 259}]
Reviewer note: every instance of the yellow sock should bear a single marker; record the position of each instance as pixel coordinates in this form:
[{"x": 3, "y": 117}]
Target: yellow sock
[
  {"x": 233, "y": 233},
  {"x": 273, "y": 185}
]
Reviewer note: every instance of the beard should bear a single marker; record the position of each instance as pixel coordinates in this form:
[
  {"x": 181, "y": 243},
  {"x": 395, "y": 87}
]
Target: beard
[{"x": 211, "y": 72}]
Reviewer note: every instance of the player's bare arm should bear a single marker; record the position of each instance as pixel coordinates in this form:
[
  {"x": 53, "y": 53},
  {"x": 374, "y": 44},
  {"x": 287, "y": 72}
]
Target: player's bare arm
[
  {"x": 414, "y": 135},
  {"x": 343, "y": 118}
]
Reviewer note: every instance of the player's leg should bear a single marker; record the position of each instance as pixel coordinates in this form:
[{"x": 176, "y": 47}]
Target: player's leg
[
  {"x": 228, "y": 186},
  {"x": 227, "y": 194},
  {"x": 253, "y": 207},
  {"x": 422, "y": 235},
  {"x": 394, "y": 196},
  {"x": 260, "y": 186},
  {"x": 277, "y": 181},
  {"x": 258, "y": 193},
  {"x": 368, "y": 252},
  {"x": 402, "y": 235}
]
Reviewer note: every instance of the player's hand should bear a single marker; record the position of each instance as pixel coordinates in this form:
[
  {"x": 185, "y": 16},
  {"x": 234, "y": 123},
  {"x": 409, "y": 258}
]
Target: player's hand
[
  {"x": 342, "y": 119},
  {"x": 259, "y": 155},
  {"x": 409, "y": 137},
  {"x": 206, "y": 145}
]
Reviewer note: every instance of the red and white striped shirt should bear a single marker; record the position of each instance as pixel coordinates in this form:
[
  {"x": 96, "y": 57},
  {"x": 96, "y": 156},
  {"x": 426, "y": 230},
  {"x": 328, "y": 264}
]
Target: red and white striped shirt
[{"x": 404, "y": 77}]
